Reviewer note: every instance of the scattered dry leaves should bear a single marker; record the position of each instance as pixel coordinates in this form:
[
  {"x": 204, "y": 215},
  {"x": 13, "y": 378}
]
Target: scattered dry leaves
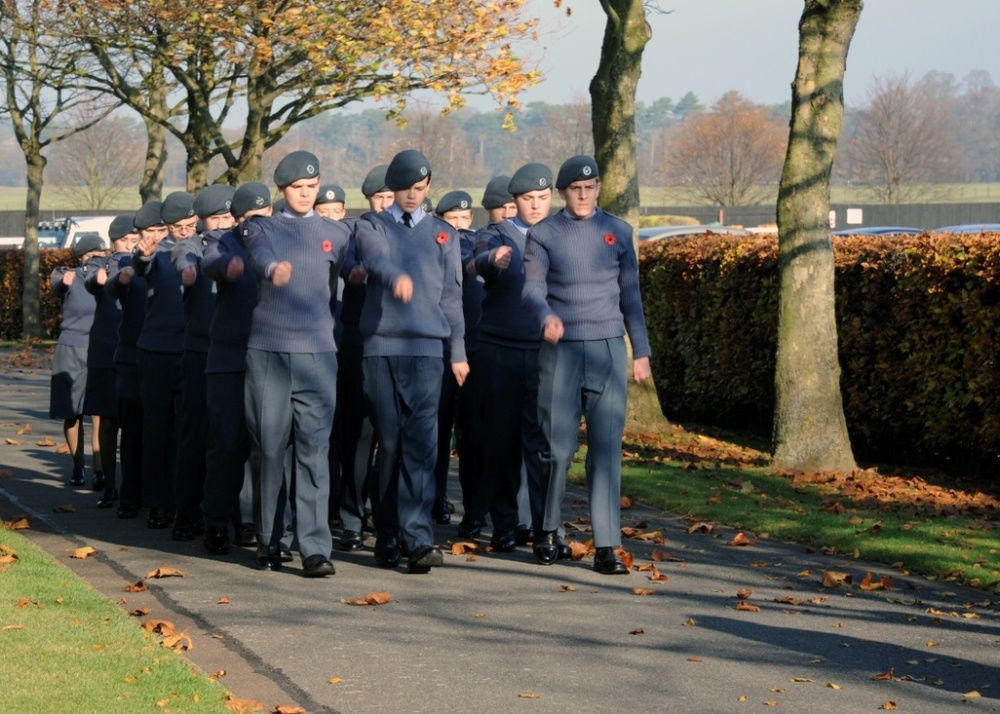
[
  {"x": 165, "y": 571},
  {"x": 373, "y": 598}
]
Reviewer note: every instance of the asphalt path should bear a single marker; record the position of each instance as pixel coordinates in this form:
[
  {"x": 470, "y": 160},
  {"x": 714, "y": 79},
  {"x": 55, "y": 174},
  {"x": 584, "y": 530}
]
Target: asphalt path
[{"x": 500, "y": 633}]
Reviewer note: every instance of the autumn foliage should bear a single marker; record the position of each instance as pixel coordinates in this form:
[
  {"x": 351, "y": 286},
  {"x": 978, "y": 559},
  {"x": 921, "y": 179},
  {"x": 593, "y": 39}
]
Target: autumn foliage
[
  {"x": 917, "y": 317},
  {"x": 11, "y": 273}
]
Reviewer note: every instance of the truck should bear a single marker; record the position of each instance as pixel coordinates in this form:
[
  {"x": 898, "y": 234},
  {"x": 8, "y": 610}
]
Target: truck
[{"x": 65, "y": 232}]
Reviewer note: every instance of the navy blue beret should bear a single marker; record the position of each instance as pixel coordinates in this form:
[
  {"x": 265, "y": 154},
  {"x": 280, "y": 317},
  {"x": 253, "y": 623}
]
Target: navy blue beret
[
  {"x": 331, "y": 193},
  {"x": 249, "y": 197},
  {"x": 88, "y": 244},
  {"x": 214, "y": 200},
  {"x": 454, "y": 201},
  {"x": 530, "y": 177},
  {"x": 496, "y": 194},
  {"x": 177, "y": 206},
  {"x": 578, "y": 168},
  {"x": 295, "y": 166},
  {"x": 375, "y": 181},
  {"x": 148, "y": 216},
  {"x": 121, "y": 226},
  {"x": 406, "y": 168}
]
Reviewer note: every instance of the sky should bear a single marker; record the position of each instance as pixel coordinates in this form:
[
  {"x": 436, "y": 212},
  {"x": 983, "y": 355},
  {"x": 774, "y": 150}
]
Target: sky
[{"x": 751, "y": 46}]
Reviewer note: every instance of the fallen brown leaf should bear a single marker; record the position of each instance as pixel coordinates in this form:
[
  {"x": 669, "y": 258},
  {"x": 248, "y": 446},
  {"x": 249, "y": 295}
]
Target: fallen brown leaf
[
  {"x": 18, "y": 523},
  {"x": 637, "y": 631},
  {"x": 140, "y": 612},
  {"x": 26, "y": 429},
  {"x": 63, "y": 449},
  {"x": 884, "y": 583},
  {"x": 740, "y": 539},
  {"x": 626, "y": 502},
  {"x": 643, "y": 591},
  {"x": 223, "y": 601},
  {"x": 47, "y": 442},
  {"x": 884, "y": 676},
  {"x": 695, "y": 659},
  {"x": 744, "y": 593},
  {"x": 180, "y": 642},
  {"x": 527, "y": 695},
  {"x": 579, "y": 550},
  {"x": 625, "y": 557},
  {"x": 160, "y": 627},
  {"x": 834, "y": 578},
  {"x": 463, "y": 547},
  {"x": 83, "y": 552},
  {"x": 65, "y": 508},
  {"x": 165, "y": 571},
  {"x": 288, "y": 709},
  {"x": 137, "y": 587},
  {"x": 6, "y": 473},
  {"x": 372, "y": 598},
  {"x": 700, "y": 527},
  {"x": 888, "y": 706},
  {"x": 747, "y": 607},
  {"x": 243, "y": 706},
  {"x": 11, "y": 442}
]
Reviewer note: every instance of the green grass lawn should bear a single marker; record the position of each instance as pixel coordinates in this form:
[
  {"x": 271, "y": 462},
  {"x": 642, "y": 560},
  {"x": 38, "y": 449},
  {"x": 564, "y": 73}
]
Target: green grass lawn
[{"x": 66, "y": 649}]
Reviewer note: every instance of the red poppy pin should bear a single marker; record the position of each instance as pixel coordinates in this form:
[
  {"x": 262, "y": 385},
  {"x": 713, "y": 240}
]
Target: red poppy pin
[
  {"x": 327, "y": 246},
  {"x": 442, "y": 238},
  {"x": 609, "y": 238}
]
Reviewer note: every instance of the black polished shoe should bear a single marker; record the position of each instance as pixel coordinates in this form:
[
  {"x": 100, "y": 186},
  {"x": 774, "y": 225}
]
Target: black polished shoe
[
  {"x": 98, "y": 482},
  {"x": 158, "y": 518},
  {"x": 187, "y": 529},
  {"x": 607, "y": 563},
  {"x": 565, "y": 552},
  {"x": 504, "y": 543},
  {"x": 351, "y": 540},
  {"x": 546, "y": 547},
  {"x": 268, "y": 559},
  {"x": 469, "y": 528},
  {"x": 387, "y": 553},
  {"x": 522, "y": 535},
  {"x": 128, "y": 511},
  {"x": 286, "y": 554},
  {"x": 77, "y": 478},
  {"x": 217, "y": 540},
  {"x": 109, "y": 498},
  {"x": 317, "y": 566},
  {"x": 246, "y": 534},
  {"x": 423, "y": 558},
  {"x": 440, "y": 512}
]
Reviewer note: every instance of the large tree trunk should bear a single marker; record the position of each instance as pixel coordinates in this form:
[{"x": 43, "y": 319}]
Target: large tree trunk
[
  {"x": 810, "y": 432},
  {"x": 31, "y": 312},
  {"x": 612, "y": 97},
  {"x": 151, "y": 187}
]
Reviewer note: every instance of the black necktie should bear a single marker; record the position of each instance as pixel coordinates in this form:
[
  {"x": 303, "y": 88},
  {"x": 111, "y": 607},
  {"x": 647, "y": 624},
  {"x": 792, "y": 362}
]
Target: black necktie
[{"x": 407, "y": 220}]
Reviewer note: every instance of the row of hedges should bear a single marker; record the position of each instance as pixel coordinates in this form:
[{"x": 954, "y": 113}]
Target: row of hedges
[
  {"x": 12, "y": 280},
  {"x": 919, "y": 335}
]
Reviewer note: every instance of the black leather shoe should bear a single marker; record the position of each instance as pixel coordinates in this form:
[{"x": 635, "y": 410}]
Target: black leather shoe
[
  {"x": 440, "y": 512},
  {"x": 128, "y": 511},
  {"x": 546, "y": 547},
  {"x": 317, "y": 566},
  {"x": 217, "y": 540},
  {"x": 98, "y": 482},
  {"x": 286, "y": 554},
  {"x": 469, "y": 529},
  {"x": 387, "y": 552},
  {"x": 522, "y": 535},
  {"x": 565, "y": 552},
  {"x": 503, "y": 543},
  {"x": 109, "y": 498},
  {"x": 158, "y": 518},
  {"x": 187, "y": 529},
  {"x": 351, "y": 540},
  {"x": 607, "y": 563},
  {"x": 268, "y": 559},
  {"x": 246, "y": 534},
  {"x": 77, "y": 478},
  {"x": 423, "y": 558}
]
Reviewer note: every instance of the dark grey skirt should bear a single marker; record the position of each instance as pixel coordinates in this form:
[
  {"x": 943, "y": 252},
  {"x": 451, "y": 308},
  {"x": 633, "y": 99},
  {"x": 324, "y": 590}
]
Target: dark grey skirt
[{"x": 69, "y": 382}]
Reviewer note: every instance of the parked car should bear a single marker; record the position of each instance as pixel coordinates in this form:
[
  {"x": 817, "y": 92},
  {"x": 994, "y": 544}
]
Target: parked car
[
  {"x": 879, "y": 231},
  {"x": 65, "y": 232},
  {"x": 971, "y": 228},
  {"x": 660, "y": 232}
]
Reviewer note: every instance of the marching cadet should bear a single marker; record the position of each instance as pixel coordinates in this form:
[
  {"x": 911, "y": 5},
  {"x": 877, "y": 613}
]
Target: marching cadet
[
  {"x": 497, "y": 201},
  {"x": 581, "y": 287},
  {"x": 331, "y": 202},
  {"x": 413, "y": 304}
]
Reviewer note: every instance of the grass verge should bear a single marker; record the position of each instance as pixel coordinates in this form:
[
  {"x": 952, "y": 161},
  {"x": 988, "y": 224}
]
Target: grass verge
[
  {"x": 941, "y": 532},
  {"x": 68, "y": 649}
]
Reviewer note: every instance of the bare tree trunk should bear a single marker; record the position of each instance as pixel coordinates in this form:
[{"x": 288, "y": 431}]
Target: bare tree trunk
[
  {"x": 810, "y": 432},
  {"x": 31, "y": 312},
  {"x": 151, "y": 187},
  {"x": 612, "y": 96}
]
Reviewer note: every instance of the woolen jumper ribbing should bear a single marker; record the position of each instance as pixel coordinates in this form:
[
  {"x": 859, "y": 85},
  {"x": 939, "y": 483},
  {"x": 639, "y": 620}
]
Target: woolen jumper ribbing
[
  {"x": 234, "y": 302},
  {"x": 107, "y": 316},
  {"x": 297, "y": 317},
  {"x": 132, "y": 298},
  {"x": 429, "y": 253},
  {"x": 163, "y": 330},
  {"x": 585, "y": 271},
  {"x": 199, "y": 298},
  {"x": 472, "y": 292},
  {"x": 78, "y": 306},
  {"x": 504, "y": 322},
  {"x": 353, "y": 297}
]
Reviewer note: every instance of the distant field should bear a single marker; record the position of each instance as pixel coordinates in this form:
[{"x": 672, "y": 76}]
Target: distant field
[{"x": 12, "y": 198}]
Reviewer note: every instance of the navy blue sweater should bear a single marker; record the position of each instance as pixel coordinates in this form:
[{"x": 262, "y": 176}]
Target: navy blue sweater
[
  {"x": 107, "y": 316},
  {"x": 585, "y": 272},
  {"x": 163, "y": 330},
  {"x": 504, "y": 322},
  {"x": 296, "y": 317},
  {"x": 429, "y": 253},
  {"x": 132, "y": 298},
  {"x": 234, "y": 301},
  {"x": 199, "y": 298}
]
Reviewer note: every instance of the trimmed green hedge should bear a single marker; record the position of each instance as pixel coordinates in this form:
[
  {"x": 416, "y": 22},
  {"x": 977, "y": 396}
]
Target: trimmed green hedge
[
  {"x": 919, "y": 333},
  {"x": 11, "y": 281}
]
